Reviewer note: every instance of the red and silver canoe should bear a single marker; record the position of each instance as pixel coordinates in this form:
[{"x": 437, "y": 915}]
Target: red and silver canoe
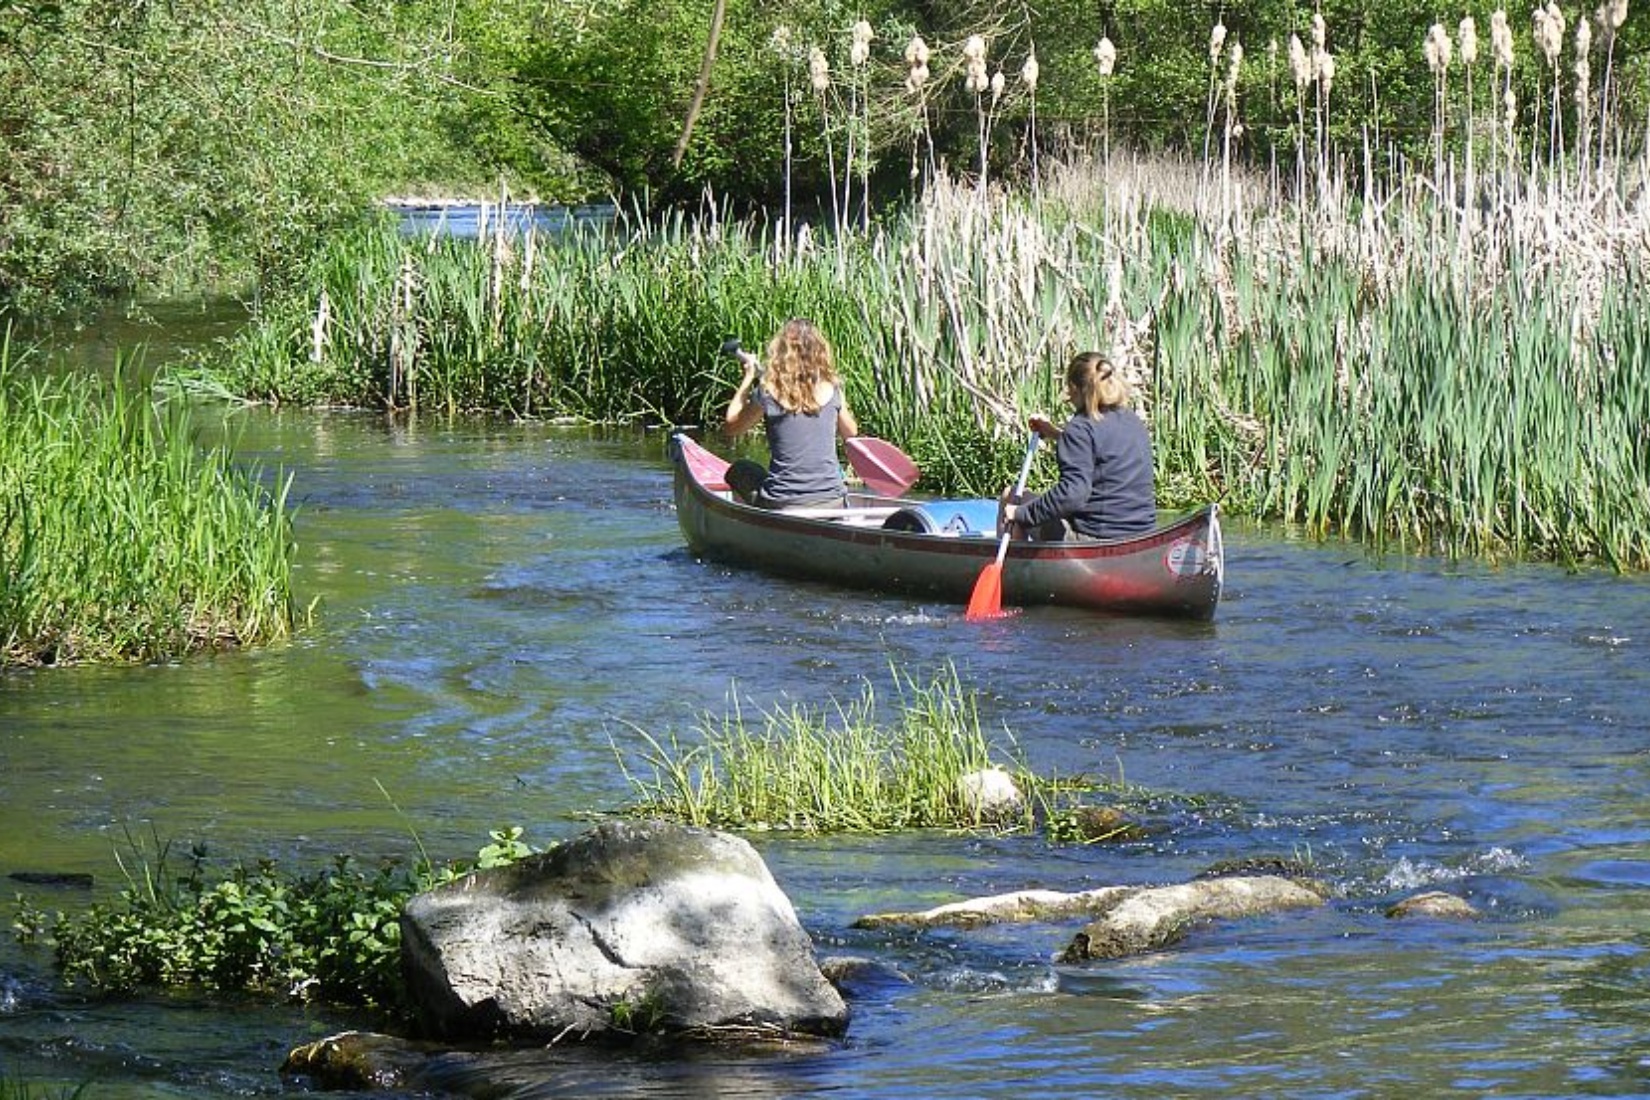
[{"x": 935, "y": 549}]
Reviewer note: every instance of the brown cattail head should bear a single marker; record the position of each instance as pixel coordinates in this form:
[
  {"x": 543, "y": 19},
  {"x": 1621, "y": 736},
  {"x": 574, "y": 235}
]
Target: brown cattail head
[
  {"x": 1299, "y": 66},
  {"x": 1501, "y": 39},
  {"x": 819, "y": 70}
]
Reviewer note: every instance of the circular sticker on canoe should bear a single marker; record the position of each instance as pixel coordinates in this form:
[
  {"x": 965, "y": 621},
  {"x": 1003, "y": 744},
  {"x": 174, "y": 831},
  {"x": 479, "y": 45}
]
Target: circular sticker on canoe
[{"x": 1186, "y": 558}]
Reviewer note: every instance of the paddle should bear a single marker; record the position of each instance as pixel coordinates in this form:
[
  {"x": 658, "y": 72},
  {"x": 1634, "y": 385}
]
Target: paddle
[
  {"x": 731, "y": 346},
  {"x": 987, "y": 599},
  {"x": 885, "y": 469}
]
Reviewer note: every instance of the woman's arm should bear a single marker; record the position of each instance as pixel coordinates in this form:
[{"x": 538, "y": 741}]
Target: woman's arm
[
  {"x": 743, "y": 411},
  {"x": 846, "y": 426},
  {"x": 1070, "y": 492}
]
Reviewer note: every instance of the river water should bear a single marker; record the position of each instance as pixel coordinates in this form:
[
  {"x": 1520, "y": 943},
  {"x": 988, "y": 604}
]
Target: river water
[{"x": 500, "y": 605}]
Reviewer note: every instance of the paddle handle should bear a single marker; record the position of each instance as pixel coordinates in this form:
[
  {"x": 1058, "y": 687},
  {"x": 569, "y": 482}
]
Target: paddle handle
[{"x": 1019, "y": 487}]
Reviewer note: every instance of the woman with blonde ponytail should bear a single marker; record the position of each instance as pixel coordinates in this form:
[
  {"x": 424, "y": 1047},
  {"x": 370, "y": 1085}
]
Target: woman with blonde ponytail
[{"x": 1106, "y": 489}]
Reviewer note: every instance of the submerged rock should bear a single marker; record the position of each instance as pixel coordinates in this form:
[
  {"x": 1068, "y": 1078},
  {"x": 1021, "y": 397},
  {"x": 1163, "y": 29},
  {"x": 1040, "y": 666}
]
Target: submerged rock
[
  {"x": 1020, "y": 907},
  {"x": 632, "y": 927},
  {"x": 1435, "y": 903},
  {"x": 357, "y": 1061}
]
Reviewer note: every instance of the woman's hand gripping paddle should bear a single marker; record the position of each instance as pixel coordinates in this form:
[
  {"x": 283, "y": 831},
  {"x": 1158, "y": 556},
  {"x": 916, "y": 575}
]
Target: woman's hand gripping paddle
[
  {"x": 730, "y": 346},
  {"x": 987, "y": 600}
]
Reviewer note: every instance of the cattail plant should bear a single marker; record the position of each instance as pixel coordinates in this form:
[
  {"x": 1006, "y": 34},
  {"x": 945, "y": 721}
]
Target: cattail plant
[
  {"x": 1584, "y": 101},
  {"x": 1548, "y": 32},
  {"x": 1323, "y": 73},
  {"x": 1301, "y": 69},
  {"x": 1028, "y": 76},
  {"x": 1467, "y": 35},
  {"x": 1438, "y": 52},
  {"x": 783, "y": 44},
  {"x": 1501, "y": 47},
  {"x": 1105, "y": 57},
  {"x": 1611, "y": 15},
  {"x": 1217, "y": 43},
  {"x": 819, "y": 79},
  {"x": 1232, "y": 130},
  {"x": 977, "y": 81},
  {"x": 916, "y": 82},
  {"x": 859, "y": 115}
]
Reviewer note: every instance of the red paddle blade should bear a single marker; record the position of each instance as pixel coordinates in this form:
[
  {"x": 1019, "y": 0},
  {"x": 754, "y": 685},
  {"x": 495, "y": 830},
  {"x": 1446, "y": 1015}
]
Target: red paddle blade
[
  {"x": 987, "y": 599},
  {"x": 885, "y": 469}
]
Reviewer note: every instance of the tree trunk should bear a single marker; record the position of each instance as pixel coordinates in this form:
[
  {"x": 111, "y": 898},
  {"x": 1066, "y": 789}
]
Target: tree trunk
[{"x": 704, "y": 82}]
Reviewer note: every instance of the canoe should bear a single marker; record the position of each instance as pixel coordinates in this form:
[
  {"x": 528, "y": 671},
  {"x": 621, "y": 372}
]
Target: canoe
[{"x": 937, "y": 548}]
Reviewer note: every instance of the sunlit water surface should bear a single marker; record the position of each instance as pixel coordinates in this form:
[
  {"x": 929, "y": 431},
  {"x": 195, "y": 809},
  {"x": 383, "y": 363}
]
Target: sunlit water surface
[{"x": 500, "y": 606}]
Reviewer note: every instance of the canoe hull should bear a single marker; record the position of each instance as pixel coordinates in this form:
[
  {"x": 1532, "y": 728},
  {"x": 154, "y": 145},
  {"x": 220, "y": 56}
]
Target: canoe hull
[{"x": 1176, "y": 570}]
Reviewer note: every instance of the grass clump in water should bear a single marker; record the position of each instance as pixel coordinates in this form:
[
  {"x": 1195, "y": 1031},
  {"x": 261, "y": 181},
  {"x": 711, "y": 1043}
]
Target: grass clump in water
[
  {"x": 120, "y": 538},
  {"x": 836, "y": 769}
]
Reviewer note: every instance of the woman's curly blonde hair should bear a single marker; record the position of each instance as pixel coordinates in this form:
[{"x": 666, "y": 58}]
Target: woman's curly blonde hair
[{"x": 799, "y": 358}]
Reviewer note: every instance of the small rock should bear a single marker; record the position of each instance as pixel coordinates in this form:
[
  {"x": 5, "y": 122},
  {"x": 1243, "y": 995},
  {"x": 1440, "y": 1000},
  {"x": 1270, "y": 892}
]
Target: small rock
[
  {"x": 990, "y": 795},
  {"x": 356, "y": 1061},
  {"x": 1435, "y": 903},
  {"x": 1090, "y": 824}
]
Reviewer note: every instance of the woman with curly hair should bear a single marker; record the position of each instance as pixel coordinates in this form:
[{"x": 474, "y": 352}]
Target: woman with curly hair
[{"x": 799, "y": 399}]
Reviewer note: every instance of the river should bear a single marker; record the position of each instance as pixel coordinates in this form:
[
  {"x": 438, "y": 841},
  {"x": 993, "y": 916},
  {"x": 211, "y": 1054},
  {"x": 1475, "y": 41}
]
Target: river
[{"x": 498, "y": 605}]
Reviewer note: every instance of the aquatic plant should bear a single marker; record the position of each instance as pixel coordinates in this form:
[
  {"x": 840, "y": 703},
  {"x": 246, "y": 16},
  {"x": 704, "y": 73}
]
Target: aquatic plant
[
  {"x": 840, "y": 768},
  {"x": 331, "y": 935},
  {"x": 122, "y": 539},
  {"x": 17, "y": 1088}
]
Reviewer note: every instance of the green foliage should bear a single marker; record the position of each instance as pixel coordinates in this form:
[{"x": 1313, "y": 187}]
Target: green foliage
[
  {"x": 119, "y": 538},
  {"x": 330, "y": 935},
  {"x": 505, "y": 847},
  {"x": 12, "y": 1088},
  {"x": 210, "y": 143}
]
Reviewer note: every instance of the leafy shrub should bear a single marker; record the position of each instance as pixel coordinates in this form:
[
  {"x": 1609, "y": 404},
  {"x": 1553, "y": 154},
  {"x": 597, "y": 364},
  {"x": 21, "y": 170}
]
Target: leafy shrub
[{"x": 332, "y": 935}]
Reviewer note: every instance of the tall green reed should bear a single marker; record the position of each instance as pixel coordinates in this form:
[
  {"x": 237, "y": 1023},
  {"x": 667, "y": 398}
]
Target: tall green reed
[
  {"x": 1381, "y": 365},
  {"x": 839, "y": 769},
  {"x": 121, "y": 539}
]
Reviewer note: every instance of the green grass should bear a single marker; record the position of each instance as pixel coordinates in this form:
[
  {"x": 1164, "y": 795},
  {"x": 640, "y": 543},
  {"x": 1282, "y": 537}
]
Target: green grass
[
  {"x": 120, "y": 538},
  {"x": 841, "y": 768},
  {"x": 12, "y": 1088}
]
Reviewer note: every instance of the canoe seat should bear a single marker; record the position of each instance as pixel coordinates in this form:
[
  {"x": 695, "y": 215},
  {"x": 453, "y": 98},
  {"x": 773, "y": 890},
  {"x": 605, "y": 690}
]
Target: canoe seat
[
  {"x": 957, "y": 518},
  {"x": 852, "y": 517}
]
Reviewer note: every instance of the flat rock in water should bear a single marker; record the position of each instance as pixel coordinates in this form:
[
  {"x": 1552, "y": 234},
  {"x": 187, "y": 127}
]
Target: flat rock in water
[
  {"x": 632, "y": 927},
  {"x": 67, "y": 879},
  {"x": 1153, "y": 918}
]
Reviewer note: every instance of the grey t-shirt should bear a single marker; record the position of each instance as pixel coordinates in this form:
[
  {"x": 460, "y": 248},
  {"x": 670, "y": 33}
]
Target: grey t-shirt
[{"x": 802, "y": 450}]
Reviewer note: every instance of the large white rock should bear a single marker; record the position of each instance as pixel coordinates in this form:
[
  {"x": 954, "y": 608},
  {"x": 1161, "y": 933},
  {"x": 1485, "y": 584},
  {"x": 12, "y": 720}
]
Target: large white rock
[{"x": 633, "y": 926}]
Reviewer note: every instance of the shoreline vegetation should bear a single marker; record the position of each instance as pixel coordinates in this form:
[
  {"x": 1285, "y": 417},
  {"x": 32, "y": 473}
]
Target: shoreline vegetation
[
  {"x": 121, "y": 540},
  {"x": 1434, "y": 376}
]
